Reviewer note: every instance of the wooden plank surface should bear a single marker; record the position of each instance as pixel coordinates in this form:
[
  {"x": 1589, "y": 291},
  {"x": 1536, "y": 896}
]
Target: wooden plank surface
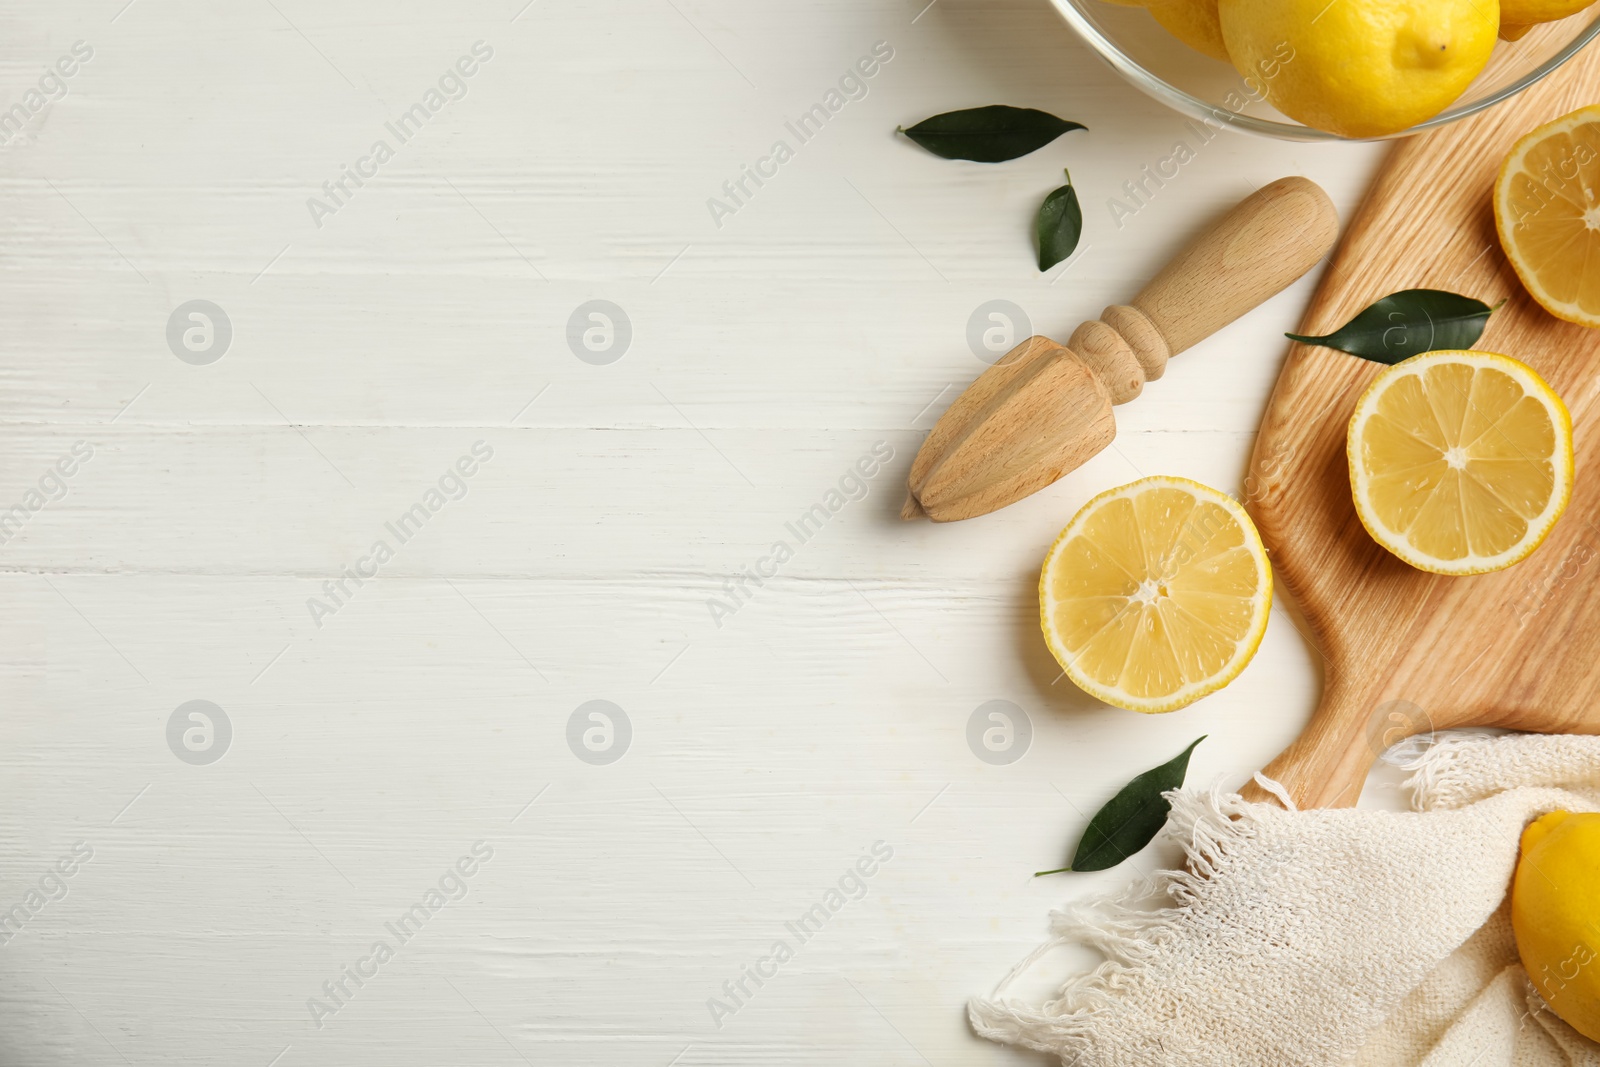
[{"x": 771, "y": 746}]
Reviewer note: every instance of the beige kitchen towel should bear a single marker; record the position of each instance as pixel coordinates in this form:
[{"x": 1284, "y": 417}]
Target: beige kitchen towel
[{"x": 1322, "y": 938}]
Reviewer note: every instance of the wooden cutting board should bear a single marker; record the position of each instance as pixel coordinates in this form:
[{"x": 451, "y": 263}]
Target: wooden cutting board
[{"x": 1404, "y": 652}]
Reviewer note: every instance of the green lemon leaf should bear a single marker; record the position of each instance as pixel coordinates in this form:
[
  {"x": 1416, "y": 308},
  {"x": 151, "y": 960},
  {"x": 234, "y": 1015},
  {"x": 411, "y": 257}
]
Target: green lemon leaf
[
  {"x": 1131, "y": 819},
  {"x": 1060, "y": 225},
  {"x": 990, "y": 134},
  {"x": 1407, "y": 324}
]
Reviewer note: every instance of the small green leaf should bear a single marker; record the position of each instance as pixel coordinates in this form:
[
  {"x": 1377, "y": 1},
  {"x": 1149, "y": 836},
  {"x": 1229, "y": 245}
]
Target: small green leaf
[
  {"x": 990, "y": 134},
  {"x": 1408, "y": 324},
  {"x": 1060, "y": 225},
  {"x": 1131, "y": 819}
]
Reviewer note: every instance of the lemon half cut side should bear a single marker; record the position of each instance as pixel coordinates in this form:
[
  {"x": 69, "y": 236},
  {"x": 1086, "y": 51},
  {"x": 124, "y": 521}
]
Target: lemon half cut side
[
  {"x": 1460, "y": 462},
  {"x": 1547, "y": 212},
  {"x": 1156, "y": 594}
]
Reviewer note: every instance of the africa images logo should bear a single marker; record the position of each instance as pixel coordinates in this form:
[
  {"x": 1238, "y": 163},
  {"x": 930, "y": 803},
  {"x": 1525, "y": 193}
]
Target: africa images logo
[
  {"x": 451, "y": 86},
  {"x": 450, "y": 887},
  {"x": 853, "y": 486},
  {"x": 851, "y": 886},
  {"x": 737, "y": 192},
  {"x": 452, "y": 485}
]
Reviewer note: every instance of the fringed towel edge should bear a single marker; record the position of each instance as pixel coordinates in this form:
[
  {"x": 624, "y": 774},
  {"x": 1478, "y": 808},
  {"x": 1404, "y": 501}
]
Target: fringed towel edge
[{"x": 1123, "y": 927}]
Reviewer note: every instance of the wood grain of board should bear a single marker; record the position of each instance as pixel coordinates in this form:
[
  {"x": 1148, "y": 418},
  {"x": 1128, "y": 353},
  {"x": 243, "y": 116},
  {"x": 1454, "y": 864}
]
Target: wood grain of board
[{"x": 1405, "y": 652}]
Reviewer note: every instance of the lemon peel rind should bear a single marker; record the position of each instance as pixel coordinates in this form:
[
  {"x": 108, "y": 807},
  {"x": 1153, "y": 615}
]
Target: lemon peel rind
[
  {"x": 1245, "y": 649},
  {"x": 1552, "y": 904},
  {"x": 1539, "y": 527}
]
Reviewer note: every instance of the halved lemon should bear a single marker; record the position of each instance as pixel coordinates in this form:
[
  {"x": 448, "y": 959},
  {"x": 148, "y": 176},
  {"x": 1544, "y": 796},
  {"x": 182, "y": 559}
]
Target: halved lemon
[
  {"x": 1460, "y": 462},
  {"x": 1156, "y": 594},
  {"x": 1547, "y": 210}
]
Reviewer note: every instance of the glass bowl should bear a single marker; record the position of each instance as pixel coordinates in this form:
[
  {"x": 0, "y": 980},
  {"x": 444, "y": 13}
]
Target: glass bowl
[{"x": 1136, "y": 46}]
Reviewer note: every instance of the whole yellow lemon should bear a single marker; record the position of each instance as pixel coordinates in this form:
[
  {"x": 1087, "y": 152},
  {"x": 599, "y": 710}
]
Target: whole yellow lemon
[
  {"x": 1517, "y": 17},
  {"x": 1528, "y": 12},
  {"x": 1360, "y": 68},
  {"x": 1194, "y": 22},
  {"x": 1555, "y": 912}
]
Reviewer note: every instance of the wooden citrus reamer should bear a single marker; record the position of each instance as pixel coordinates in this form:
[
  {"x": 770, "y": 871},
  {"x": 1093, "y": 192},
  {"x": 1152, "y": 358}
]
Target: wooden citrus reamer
[{"x": 1045, "y": 409}]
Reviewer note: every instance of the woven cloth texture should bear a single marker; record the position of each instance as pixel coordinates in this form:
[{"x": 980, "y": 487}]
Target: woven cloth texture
[{"x": 1330, "y": 937}]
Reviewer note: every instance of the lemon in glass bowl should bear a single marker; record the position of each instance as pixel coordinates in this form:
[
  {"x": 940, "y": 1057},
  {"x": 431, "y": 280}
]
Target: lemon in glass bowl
[{"x": 1215, "y": 94}]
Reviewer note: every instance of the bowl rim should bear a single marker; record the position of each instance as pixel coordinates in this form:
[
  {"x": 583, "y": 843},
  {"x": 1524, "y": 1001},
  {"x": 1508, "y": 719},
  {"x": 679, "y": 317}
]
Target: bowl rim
[{"x": 1194, "y": 107}]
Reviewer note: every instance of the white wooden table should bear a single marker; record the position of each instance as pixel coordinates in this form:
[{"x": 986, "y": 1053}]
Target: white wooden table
[{"x": 350, "y": 756}]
